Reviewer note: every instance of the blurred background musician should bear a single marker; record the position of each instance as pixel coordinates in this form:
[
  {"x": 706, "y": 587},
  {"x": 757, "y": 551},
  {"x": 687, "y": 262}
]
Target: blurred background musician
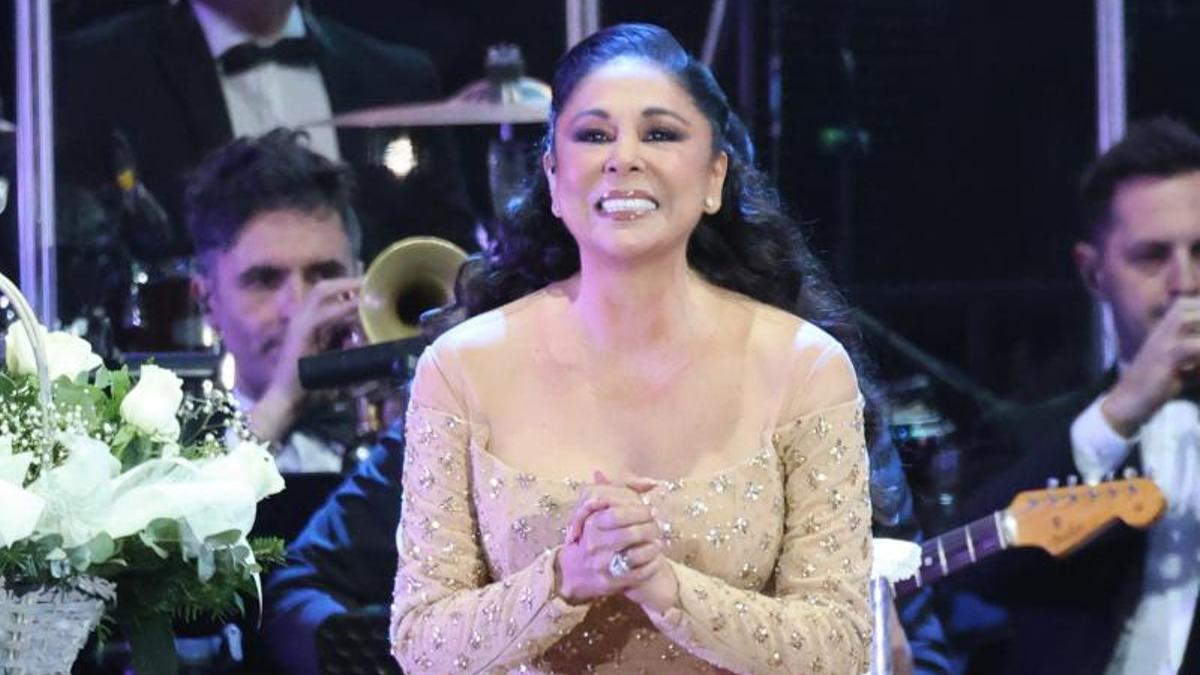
[
  {"x": 277, "y": 243},
  {"x": 178, "y": 80},
  {"x": 1126, "y": 604}
]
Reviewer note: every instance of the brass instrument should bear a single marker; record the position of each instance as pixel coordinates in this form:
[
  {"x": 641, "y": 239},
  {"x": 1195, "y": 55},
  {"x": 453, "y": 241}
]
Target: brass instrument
[{"x": 410, "y": 277}]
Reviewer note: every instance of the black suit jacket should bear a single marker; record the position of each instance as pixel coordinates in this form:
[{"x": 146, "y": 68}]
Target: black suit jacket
[
  {"x": 1055, "y": 615},
  {"x": 150, "y": 74}
]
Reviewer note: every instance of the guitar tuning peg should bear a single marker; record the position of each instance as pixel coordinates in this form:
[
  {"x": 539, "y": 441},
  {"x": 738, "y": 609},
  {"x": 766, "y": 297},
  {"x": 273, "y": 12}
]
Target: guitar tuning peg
[
  {"x": 1129, "y": 472},
  {"x": 1051, "y": 482},
  {"x": 1072, "y": 480},
  {"x": 1109, "y": 476}
]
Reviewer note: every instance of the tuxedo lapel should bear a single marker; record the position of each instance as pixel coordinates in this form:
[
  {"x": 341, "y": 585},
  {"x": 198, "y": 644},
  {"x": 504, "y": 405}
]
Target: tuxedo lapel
[
  {"x": 343, "y": 87},
  {"x": 337, "y": 74},
  {"x": 190, "y": 75}
]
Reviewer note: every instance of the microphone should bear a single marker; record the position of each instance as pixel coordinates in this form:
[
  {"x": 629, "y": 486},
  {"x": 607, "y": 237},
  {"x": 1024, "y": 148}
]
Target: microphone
[
  {"x": 144, "y": 223},
  {"x": 395, "y": 359}
]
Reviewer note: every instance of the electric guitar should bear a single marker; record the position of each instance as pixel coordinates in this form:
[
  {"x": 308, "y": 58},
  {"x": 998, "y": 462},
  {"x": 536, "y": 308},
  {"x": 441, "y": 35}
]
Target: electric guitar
[{"x": 1057, "y": 519}]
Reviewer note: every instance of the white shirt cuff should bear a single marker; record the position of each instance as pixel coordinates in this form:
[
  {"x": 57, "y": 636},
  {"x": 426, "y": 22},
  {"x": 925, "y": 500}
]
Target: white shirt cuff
[{"x": 1096, "y": 447}]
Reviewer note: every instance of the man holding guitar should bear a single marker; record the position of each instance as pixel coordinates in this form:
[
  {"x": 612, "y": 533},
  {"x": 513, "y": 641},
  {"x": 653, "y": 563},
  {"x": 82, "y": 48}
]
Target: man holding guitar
[{"x": 1124, "y": 605}]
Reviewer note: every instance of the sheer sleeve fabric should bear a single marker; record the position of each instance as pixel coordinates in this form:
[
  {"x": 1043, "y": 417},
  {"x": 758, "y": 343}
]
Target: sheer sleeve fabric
[
  {"x": 817, "y": 619},
  {"x": 448, "y": 615}
]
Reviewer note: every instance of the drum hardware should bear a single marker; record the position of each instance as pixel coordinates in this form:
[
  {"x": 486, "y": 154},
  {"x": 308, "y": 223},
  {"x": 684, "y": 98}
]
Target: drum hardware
[
  {"x": 504, "y": 96},
  {"x": 161, "y": 315},
  {"x": 924, "y": 438}
]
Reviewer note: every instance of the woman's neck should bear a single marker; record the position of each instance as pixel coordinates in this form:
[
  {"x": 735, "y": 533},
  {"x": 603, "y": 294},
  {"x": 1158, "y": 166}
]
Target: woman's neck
[{"x": 640, "y": 306}]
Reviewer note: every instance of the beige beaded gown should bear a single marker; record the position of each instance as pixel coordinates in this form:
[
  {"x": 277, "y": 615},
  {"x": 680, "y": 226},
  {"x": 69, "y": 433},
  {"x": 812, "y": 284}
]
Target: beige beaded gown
[{"x": 772, "y": 552}]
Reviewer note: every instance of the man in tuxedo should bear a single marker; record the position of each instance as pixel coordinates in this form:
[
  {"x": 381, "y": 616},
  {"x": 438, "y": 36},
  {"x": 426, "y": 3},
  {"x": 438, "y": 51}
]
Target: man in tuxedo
[
  {"x": 1125, "y": 604},
  {"x": 178, "y": 81}
]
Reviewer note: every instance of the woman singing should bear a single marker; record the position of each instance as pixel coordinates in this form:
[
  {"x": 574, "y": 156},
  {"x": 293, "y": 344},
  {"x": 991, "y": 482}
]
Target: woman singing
[{"x": 641, "y": 454}]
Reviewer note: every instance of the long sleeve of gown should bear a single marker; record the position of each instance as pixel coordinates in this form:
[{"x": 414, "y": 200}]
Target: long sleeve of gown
[
  {"x": 816, "y": 619},
  {"x": 448, "y": 615}
]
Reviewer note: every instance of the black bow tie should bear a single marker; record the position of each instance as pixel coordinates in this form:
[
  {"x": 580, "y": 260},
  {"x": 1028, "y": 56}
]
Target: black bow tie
[{"x": 297, "y": 51}]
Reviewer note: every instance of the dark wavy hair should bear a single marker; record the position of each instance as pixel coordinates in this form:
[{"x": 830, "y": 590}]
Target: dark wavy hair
[
  {"x": 252, "y": 175},
  {"x": 749, "y": 246}
]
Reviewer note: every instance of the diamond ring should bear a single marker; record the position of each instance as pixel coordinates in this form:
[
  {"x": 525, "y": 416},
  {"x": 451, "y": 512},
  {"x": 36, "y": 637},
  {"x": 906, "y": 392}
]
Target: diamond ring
[{"x": 618, "y": 566}]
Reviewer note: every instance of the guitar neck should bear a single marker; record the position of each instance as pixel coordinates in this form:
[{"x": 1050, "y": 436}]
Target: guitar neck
[{"x": 956, "y": 549}]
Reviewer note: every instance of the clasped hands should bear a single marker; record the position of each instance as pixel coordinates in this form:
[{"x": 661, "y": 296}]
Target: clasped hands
[{"x": 614, "y": 545}]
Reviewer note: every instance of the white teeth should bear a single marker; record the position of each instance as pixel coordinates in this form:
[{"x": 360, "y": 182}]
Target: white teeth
[{"x": 626, "y": 205}]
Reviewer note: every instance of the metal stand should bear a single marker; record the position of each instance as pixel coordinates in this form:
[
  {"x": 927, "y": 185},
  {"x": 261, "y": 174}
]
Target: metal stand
[
  {"x": 583, "y": 19},
  {"x": 1111, "y": 118},
  {"x": 881, "y": 638},
  {"x": 35, "y": 159}
]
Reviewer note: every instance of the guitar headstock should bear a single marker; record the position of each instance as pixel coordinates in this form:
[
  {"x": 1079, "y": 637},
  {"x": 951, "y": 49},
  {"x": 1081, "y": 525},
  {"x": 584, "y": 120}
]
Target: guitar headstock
[{"x": 1061, "y": 519}]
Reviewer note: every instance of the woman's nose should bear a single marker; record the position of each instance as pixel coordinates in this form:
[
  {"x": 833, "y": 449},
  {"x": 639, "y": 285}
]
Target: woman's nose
[{"x": 624, "y": 156}]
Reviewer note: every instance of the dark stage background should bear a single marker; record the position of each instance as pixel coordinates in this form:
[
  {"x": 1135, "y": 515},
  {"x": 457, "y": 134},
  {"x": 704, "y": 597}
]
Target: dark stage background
[{"x": 937, "y": 173}]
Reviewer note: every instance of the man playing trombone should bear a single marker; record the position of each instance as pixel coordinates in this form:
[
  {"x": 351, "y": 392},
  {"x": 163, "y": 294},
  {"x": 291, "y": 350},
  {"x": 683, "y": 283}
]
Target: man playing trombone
[{"x": 277, "y": 245}]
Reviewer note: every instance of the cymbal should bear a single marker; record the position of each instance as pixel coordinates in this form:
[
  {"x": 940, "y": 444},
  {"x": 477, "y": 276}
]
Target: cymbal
[{"x": 522, "y": 100}]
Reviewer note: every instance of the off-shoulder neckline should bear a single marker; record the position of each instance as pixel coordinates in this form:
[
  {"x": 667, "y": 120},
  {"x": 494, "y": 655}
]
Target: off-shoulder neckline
[{"x": 479, "y": 434}]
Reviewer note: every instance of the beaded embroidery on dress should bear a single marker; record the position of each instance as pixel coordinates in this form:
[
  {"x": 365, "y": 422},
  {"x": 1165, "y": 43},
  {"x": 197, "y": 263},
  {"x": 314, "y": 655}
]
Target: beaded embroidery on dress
[{"x": 772, "y": 557}]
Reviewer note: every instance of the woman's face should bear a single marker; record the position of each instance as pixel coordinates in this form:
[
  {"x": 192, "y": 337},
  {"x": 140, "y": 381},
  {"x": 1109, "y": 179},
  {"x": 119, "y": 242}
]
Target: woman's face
[{"x": 633, "y": 163}]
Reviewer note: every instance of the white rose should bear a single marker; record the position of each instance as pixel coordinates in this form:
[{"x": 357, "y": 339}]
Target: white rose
[
  {"x": 20, "y": 514},
  {"x": 66, "y": 355},
  {"x": 22, "y": 508},
  {"x": 13, "y": 468},
  {"x": 153, "y": 403},
  {"x": 249, "y": 463}
]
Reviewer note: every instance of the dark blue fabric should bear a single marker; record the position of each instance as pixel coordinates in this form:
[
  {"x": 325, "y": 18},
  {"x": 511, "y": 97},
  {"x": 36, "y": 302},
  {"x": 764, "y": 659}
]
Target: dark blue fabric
[{"x": 344, "y": 559}]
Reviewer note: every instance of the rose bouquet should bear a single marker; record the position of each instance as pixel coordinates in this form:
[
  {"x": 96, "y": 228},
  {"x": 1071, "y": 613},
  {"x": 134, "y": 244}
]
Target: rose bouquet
[{"x": 127, "y": 481}]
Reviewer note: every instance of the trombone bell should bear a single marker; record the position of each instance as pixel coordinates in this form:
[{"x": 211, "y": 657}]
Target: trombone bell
[{"x": 411, "y": 276}]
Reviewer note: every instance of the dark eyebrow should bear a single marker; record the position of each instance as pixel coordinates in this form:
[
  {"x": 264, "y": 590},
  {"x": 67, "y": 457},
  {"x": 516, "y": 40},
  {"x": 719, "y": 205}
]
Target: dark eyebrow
[
  {"x": 327, "y": 268},
  {"x": 648, "y": 112},
  {"x": 256, "y": 273},
  {"x": 653, "y": 112},
  {"x": 590, "y": 112}
]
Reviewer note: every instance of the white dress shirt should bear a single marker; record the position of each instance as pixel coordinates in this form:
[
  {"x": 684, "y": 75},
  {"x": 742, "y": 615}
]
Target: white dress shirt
[
  {"x": 270, "y": 94},
  {"x": 299, "y": 452},
  {"x": 1154, "y": 639}
]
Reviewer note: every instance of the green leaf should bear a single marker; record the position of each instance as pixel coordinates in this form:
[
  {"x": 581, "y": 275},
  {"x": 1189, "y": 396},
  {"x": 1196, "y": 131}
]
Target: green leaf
[
  {"x": 121, "y": 441},
  {"x": 103, "y": 378},
  {"x": 136, "y": 451},
  {"x": 7, "y": 385},
  {"x": 99, "y": 549},
  {"x": 151, "y": 639},
  {"x": 121, "y": 384}
]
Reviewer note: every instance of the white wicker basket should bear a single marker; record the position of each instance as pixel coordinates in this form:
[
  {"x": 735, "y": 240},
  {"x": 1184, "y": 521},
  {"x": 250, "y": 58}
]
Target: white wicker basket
[{"x": 42, "y": 629}]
